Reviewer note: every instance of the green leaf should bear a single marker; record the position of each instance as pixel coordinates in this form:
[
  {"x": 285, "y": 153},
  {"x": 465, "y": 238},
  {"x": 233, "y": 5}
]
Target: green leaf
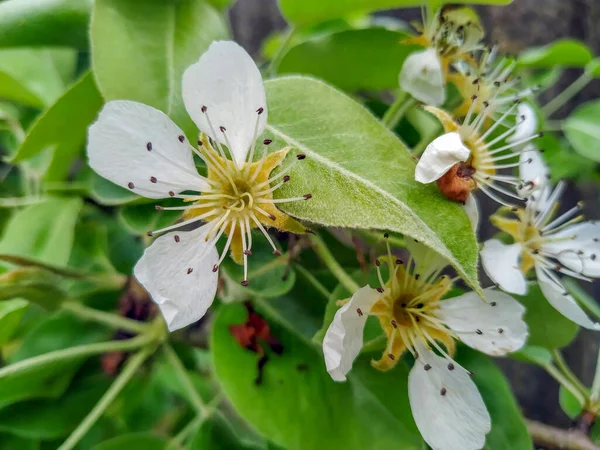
[
  {"x": 36, "y": 285},
  {"x": 359, "y": 174},
  {"x": 216, "y": 433},
  {"x": 52, "y": 419},
  {"x": 563, "y": 161},
  {"x": 32, "y": 77},
  {"x": 569, "y": 404},
  {"x": 43, "y": 232},
  {"x": 131, "y": 441},
  {"x": 547, "y": 327},
  {"x": 62, "y": 129},
  {"x": 312, "y": 11},
  {"x": 593, "y": 68},
  {"x": 59, "y": 331},
  {"x": 508, "y": 428},
  {"x": 139, "y": 219},
  {"x": 11, "y": 312},
  {"x": 352, "y": 59},
  {"x": 144, "y": 60},
  {"x": 109, "y": 194},
  {"x": 583, "y": 131},
  {"x": 30, "y": 23},
  {"x": 563, "y": 52},
  {"x": 533, "y": 354},
  {"x": 297, "y": 405}
]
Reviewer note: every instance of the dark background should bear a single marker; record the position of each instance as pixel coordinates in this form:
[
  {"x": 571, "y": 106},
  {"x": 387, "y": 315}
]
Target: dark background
[{"x": 522, "y": 24}]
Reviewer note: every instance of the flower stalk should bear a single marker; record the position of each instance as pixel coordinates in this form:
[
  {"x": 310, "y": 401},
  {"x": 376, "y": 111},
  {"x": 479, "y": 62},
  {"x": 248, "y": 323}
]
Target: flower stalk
[
  {"x": 561, "y": 99},
  {"x": 329, "y": 260},
  {"x": 397, "y": 110}
]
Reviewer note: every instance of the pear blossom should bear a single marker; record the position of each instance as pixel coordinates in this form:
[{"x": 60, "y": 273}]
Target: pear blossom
[
  {"x": 139, "y": 148},
  {"x": 444, "y": 400},
  {"x": 468, "y": 156},
  {"x": 550, "y": 246},
  {"x": 449, "y": 35}
]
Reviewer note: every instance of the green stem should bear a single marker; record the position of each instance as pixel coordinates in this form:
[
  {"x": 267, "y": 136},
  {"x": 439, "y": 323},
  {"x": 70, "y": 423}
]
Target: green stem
[
  {"x": 374, "y": 345},
  {"x": 112, "y": 320},
  {"x": 185, "y": 380},
  {"x": 397, "y": 110},
  {"x": 425, "y": 141},
  {"x": 557, "y": 102},
  {"x": 285, "y": 43},
  {"x": 595, "y": 395},
  {"x": 131, "y": 366},
  {"x": 313, "y": 280},
  {"x": 566, "y": 370},
  {"x": 582, "y": 297},
  {"x": 327, "y": 258},
  {"x": 180, "y": 438},
  {"x": 558, "y": 376},
  {"x": 75, "y": 352}
]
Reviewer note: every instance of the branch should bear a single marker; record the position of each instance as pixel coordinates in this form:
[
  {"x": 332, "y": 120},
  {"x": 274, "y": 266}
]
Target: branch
[{"x": 558, "y": 439}]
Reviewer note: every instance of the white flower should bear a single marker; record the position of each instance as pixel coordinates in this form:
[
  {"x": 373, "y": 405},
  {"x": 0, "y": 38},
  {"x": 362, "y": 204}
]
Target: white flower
[
  {"x": 564, "y": 245},
  {"x": 422, "y": 77},
  {"x": 445, "y": 403},
  {"x": 139, "y": 148},
  {"x": 467, "y": 158}
]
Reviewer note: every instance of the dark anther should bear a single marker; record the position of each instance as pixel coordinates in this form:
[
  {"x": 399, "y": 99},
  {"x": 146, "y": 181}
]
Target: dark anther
[
  {"x": 403, "y": 305},
  {"x": 181, "y": 138},
  {"x": 427, "y": 367},
  {"x": 215, "y": 268},
  {"x": 272, "y": 217},
  {"x": 203, "y": 109},
  {"x": 593, "y": 257},
  {"x": 307, "y": 196},
  {"x": 399, "y": 261},
  {"x": 500, "y": 330},
  {"x": 223, "y": 129},
  {"x": 476, "y": 81},
  {"x": 247, "y": 252},
  {"x": 486, "y": 104},
  {"x": 392, "y": 357},
  {"x": 267, "y": 141},
  {"x": 418, "y": 319},
  {"x": 260, "y": 110},
  {"x": 301, "y": 156},
  {"x": 200, "y": 144},
  {"x": 153, "y": 179},
  {"x": 541, "y": 134},
  {"x": 130, "y": 185},
  {"x": 190, "y": 270},
  {"x": 473, "y": 97},
  {"x": 149, "y": 233},
  {"x": 286, "y": 178},
  {"x": 176, "y": 237},
  {"x": 245, "y": 283},
  {"x": 158, "y": 207},
  {"x": 377, "y": 263},
  {"x": 394, "y": 324},
  {"x": 530, "y": 160},
  {"x": 276, "y": 252},
  {"x": 359, "y": 312},
  {"x": 420, "y": 305},
  {"x": 479, "y": 332},
  {"x": 417, "y": 276},
  {"x": 380, "y": 290},
  {"x": 493, "y": 304},
  {"x": 149, "y": 146},
  {"x": 386, "y": 235},
  {"x": 171, "y": 194},
  {"x": 443, "y": 391},
  {"x": 497, "y": 83},
  {"x": 450, "y": 366}
]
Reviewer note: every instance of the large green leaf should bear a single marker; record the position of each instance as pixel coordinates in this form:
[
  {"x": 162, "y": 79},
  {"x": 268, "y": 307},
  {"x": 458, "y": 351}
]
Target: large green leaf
[
  {"x": 132, "y": 441},
  {"x": 11, "y": 312},
  {"x": 33, "y": 77},
  {"x": 563, "y": 52},
  {"x": 312, "y": 11},
  {"x": 144, "y": 60},
  {"x": 351, "y": 59},
  {"x": 583, "y": 130},
  {"x": 508, "y": 428},
  {"x": 43, "y": 232},
  {"x": 62, "y": 129},
  {"x": 359, "y": 173},
  {"x": 297, "y": 405},
  {"x": 30, "y": 23},
  {"x": 547, "y": 327}
]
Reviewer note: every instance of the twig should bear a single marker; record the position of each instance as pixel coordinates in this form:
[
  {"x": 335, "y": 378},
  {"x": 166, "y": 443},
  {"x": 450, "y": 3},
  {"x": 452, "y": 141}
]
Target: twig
[{"x": 557, "y": 439}]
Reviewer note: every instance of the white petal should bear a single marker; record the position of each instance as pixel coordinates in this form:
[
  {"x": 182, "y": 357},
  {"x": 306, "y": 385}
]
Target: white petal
[
  {"x": 118, "y": 144},
  {"x": 344, "y": 337},
  {"x": 527, "y": 123},
  {"x": 229, "y": 84},
  {"x": 472, "y": 209},
  {"x": 457, "y": 420},
  {"x": 183, "y": 295},
  {"x": 427, "y": 260},
  {"x": 501, "y": 263},
  {"x": 534, "y": 174},
  {"x": 495, "y": 327},
  {"x": 577, "y": 247},
  {"x": 422, "y": 77},
  {"x": 564, "y": 304},
  {"x": 439, "y": 156}
]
